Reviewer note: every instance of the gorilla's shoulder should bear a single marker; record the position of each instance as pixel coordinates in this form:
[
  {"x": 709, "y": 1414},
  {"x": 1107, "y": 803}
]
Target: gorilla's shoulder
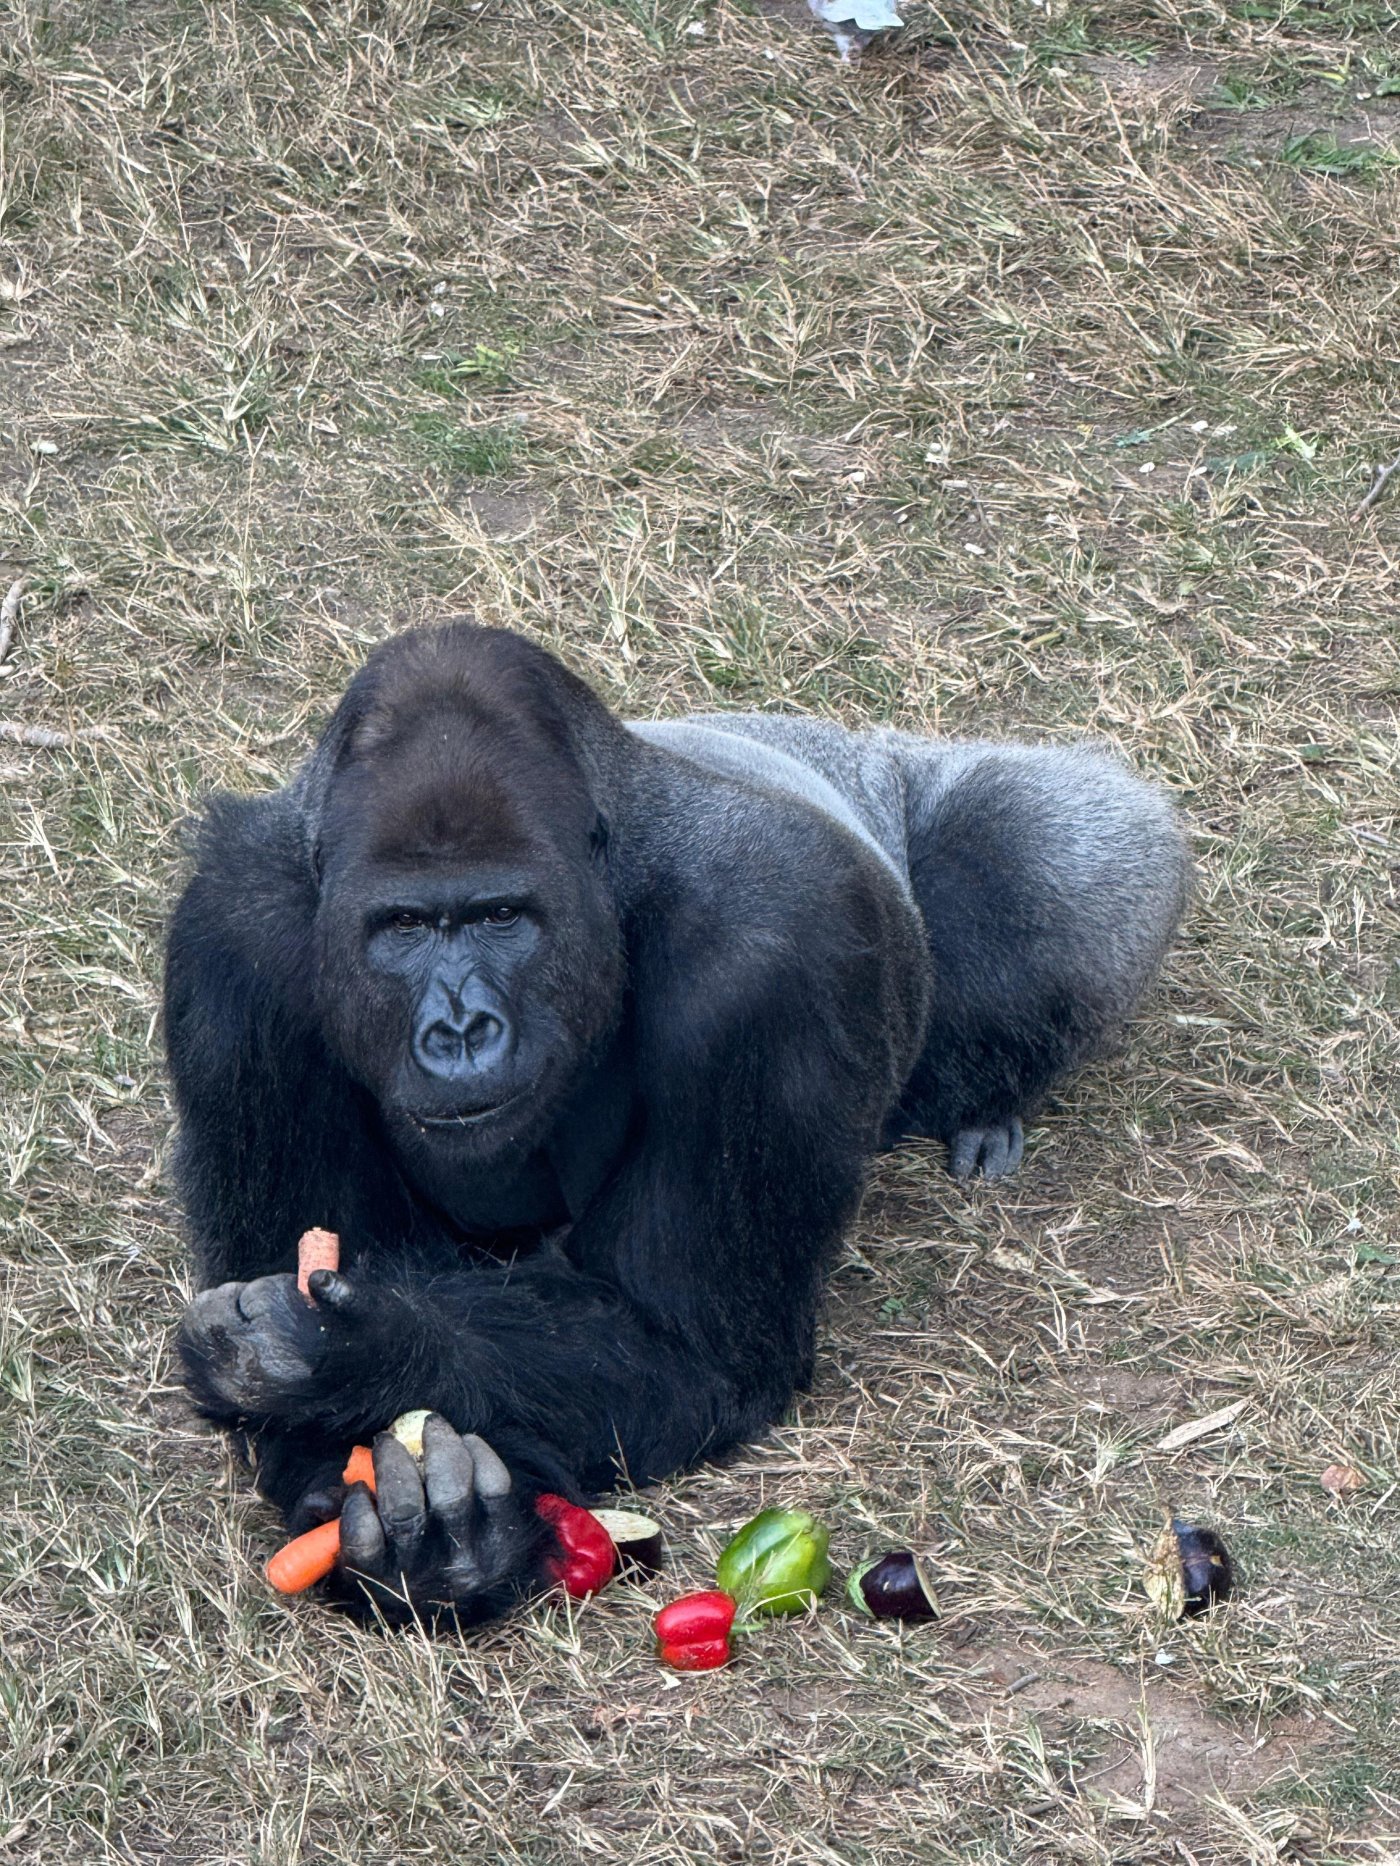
[
  {"x": 716, "y": 848},
  {"x": 247, "y": 908},
  {"x": 760, "y": 916},
  {"x": 233, "y": 828}
]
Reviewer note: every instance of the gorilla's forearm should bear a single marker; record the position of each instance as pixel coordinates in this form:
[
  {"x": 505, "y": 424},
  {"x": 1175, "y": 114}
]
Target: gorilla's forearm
[
  {"x": 570, "y": 1380},
  {"x": 677, "y": 1319}
]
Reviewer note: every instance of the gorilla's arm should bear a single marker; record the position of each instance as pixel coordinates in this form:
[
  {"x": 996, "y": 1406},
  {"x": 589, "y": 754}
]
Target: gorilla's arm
[
  {"x": 676, "y": 1318},
  {"x": 273, "y": 1135}
]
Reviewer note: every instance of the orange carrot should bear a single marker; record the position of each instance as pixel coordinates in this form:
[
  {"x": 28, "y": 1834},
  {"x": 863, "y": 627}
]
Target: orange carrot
[
  {"x": 360, "y": 1469},
  {"x": 317, "y": 1250},
  {"x": 307, "y": 1559}
]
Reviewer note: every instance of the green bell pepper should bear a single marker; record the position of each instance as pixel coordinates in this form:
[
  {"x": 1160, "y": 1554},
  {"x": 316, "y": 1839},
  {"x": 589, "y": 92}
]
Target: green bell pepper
[{"x": 776, "y": 1563}]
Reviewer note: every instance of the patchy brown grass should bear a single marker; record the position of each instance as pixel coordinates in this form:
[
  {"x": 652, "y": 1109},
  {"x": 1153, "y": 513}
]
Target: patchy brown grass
[{"x": 1000, "y": 383}]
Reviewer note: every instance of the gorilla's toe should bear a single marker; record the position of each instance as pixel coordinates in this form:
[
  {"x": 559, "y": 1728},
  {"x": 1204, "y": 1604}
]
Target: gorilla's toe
[{"x": 996, "y": 1149}]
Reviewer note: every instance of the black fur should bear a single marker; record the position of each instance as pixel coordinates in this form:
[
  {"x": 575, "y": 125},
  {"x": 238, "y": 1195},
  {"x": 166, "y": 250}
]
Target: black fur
[{"x": 719, "y": 1001}]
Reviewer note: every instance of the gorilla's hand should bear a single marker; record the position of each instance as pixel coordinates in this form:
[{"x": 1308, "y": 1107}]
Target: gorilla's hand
[
  {"x": 452, "y": 1544},
  {"x": 323, "y": 1499},
  {"x": 261, "y": 1349},
  {"x": 249, "y": 1347}
]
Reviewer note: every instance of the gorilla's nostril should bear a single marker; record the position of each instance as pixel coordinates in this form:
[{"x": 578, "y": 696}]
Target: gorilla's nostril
[
  {"x": 461, "y": 1046},
  {"x": 441, "y": 1043},
  {"x": 483, "y": 1032}
]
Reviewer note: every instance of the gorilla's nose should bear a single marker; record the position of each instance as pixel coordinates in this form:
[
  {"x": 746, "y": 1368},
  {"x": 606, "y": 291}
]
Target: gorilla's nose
[{"x": 460, "y": 1035}]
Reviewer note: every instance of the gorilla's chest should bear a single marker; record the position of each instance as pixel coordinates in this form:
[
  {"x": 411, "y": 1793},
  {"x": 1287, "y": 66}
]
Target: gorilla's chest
[
  {"x": 553, "y": 1185},
  {"x": 527, "y": 1197}
]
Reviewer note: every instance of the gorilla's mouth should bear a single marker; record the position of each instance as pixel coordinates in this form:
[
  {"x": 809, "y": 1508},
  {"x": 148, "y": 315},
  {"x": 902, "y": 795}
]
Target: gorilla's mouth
[{"x": 469, "y": 1117}]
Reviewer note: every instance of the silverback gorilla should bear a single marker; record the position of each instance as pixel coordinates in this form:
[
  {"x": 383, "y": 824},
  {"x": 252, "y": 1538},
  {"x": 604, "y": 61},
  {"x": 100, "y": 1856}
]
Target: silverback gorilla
[{"x": 581, "y": 1035}]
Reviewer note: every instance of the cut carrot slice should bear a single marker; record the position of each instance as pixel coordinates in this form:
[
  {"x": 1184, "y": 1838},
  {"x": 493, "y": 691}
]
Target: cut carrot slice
[
  {"x": 360, "y": 1469},
  {"x": 316, "y": 1250}
]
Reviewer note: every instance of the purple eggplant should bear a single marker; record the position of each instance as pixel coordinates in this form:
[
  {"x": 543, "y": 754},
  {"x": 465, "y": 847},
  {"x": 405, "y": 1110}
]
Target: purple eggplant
[
  {"x": 893, "y": 1587},
  {"x": 641, "y": 1549},
  {"x": 1189, "y": 1571}
]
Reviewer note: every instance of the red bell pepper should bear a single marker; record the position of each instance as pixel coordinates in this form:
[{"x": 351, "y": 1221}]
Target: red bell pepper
[
  {"x": 702, "y": 1655},
  {"x": 587, "y": 1554},
  {"x": 692, "y": 1634}
]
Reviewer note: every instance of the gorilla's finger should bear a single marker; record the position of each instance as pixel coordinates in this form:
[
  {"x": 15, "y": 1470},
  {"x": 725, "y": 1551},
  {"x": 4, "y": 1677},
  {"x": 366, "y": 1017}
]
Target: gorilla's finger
[
  {"x": 492, "y": 1478},
  {"x": 220, "y": 1293},
  {"x": 362, "y": 1543},
  {"x": 449, "y": 1474},
  {"x": 266, "y": 1296},
  {"x": 332, "y": 1291},
  {"x": 317, "y": 1505},
  {"x": 399, "y": 1489},
  {"x": 962, "y": 1155},
  {"x": 213, "y": 1309}
]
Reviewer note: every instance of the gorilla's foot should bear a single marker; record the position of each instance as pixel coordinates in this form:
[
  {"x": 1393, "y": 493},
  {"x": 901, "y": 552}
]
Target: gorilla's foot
[{"x": 997, "y": 1150}]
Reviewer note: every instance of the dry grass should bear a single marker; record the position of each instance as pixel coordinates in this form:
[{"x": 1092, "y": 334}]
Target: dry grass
[{"x": 742, "y": 379}]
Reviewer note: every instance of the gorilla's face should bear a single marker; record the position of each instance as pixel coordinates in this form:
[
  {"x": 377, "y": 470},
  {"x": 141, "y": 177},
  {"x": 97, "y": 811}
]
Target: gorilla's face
[{"x": 470, "y": 961}]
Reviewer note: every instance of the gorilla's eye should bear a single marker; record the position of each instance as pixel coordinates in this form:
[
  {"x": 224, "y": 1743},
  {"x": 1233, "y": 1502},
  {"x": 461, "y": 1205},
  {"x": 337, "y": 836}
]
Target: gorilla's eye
[
  {"x": 404, "y": 920},
  {"x": 501, "y": 915}
]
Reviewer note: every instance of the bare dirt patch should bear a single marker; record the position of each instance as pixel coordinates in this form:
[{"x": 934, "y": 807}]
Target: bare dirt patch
[{"x": 1153, "y": 1743}]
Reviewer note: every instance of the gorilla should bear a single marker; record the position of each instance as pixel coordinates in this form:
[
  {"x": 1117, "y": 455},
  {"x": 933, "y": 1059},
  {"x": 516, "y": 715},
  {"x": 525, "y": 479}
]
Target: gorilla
[{"x": 581, "y": 1035}]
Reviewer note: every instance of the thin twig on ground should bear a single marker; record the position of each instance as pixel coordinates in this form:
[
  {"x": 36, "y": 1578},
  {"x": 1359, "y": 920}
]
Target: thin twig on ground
[
  {"x": 1378, "y": 486},
  {"x": 49, "y": 738},
  {"x": 9, "y": 615}
]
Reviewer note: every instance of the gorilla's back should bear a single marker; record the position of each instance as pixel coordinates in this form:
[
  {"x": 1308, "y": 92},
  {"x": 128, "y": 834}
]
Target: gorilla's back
[{"x": 848, "y": 776}]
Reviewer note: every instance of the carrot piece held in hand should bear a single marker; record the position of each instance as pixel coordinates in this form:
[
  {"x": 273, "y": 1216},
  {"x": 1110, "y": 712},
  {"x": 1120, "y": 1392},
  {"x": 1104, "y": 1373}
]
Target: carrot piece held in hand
[
  {"x": 316, "y": 1250},
  {"x": 360, "y": 1468},
  {"x": 307, "y": 1559}
]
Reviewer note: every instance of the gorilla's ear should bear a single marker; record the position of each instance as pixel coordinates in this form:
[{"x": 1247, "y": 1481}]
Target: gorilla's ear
[
  {"x": 598, "y": 840},
  {"x": 312, "y": 785}
]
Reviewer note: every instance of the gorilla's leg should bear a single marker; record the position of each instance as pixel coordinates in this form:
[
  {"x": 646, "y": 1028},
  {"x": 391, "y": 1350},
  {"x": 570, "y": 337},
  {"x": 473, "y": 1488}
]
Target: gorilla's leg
[{"x": 1050, "y": 881}]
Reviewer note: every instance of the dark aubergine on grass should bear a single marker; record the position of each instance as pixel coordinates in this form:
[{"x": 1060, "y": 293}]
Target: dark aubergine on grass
[
  {"x": 893, "y": 1587},
  {"x": 1190, "y": 1570}
]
